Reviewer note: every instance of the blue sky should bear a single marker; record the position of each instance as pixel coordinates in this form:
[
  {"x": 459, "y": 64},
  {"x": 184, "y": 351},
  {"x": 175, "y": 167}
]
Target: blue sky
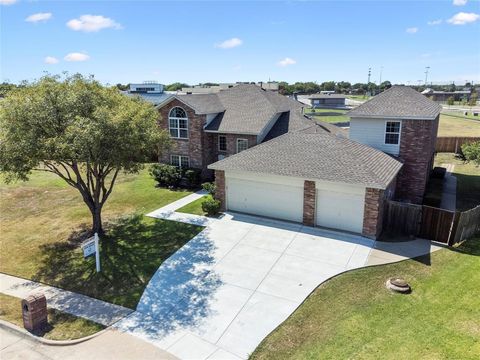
[{"x": 197, "y": 41}]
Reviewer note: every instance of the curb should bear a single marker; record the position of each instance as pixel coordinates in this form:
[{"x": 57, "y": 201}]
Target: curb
[{"x": 26, "y": 334}]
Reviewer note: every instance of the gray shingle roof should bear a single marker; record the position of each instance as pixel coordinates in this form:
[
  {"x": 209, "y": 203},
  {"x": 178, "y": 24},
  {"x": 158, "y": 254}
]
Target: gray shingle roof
[
  {"x": 203, "y": 103},
  {"x": 398, "y": 102},
  {"x": 316, "y": 156},
  {"x": 155, "y": 99}
]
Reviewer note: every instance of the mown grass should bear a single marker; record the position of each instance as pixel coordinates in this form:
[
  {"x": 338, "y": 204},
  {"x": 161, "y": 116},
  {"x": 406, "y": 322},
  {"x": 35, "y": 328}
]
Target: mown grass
[
  {"x": 195, "y": 207},
  {"x": 328, "y": 115},
  {"x": 43, "y": 221},
  {"x": 457, "y": 126},
  {"x": 353, "y": 316},
  {"x": 468, "y": 180},
  {"x": 61, "y": 326}
]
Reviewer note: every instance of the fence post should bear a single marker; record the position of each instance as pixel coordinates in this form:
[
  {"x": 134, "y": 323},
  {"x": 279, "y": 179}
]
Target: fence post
[{"x": 453, "y": 230}]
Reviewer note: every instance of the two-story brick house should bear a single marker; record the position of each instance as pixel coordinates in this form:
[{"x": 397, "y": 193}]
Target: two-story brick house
[
  {"x": 321, "y": 179},
  {"x": 206, "y": 128}
]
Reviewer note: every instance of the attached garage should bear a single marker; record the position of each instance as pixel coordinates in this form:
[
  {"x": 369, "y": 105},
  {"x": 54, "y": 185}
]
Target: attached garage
[
  {"x": 339, "y": 206},
  {"x": 275, "y": 197},
  {"x": 313, "y": 178}
]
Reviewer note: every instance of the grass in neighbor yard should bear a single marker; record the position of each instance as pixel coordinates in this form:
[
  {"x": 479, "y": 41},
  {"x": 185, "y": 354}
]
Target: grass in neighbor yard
[
  {"x": 468, "y": 180},
  {"x": 328, "y": 115},
  {"x": 42, "y": 220},
  {"x": 457, "y": 126},
  {"x": 61, "y": 326},
  {"x": 195, "y": 207},
  {"x": 353, "y": 316}
]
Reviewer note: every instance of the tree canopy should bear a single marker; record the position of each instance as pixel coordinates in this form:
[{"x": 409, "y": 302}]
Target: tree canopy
[{"x": 79, "y": 130}]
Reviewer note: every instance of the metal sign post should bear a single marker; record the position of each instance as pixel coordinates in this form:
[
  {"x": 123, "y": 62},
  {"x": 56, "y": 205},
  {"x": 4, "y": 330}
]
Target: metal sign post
[{"x": 97, "y": 253}]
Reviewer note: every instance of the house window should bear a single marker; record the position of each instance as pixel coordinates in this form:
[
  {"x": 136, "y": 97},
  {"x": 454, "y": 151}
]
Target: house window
[
  {"x": 178, "y": 123},
  {"x": 392, "y": 132},
  {"x": 222, "y": 143},
  {"x": 242, "y": 144},
  {"x": 180, "y": 161}
]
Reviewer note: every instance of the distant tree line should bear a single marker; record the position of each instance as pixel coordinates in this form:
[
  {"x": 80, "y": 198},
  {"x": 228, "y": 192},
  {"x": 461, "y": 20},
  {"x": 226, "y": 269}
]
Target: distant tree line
[{"x": 341, "y": 87}]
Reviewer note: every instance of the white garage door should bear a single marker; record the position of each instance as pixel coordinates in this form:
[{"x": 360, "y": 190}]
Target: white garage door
[
  {"x": 340, "y": 210},
  {"x": 269, "y": 199}
]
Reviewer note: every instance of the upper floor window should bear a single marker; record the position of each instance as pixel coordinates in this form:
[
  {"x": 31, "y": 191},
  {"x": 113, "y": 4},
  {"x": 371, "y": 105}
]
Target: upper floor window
[
  {"x": 392, "y": 132},
  {"x": 242, "y": 144},
  {"x": 222, "y": 143},
  {"x": 178, "y": 123}
]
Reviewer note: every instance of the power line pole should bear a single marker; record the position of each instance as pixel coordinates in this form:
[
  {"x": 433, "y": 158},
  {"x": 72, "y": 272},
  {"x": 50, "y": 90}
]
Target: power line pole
[
  {"x": 380, "y": 81},
  {"x": 369, "y": 73},
  {"x": 426, "y": 74}
]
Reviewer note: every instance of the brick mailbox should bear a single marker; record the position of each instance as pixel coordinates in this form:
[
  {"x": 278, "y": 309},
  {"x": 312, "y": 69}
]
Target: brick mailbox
[{"x": 34, "y": 311}]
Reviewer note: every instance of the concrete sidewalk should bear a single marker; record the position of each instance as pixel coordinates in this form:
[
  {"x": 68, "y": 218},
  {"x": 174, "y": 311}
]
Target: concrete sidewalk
[
  {"x": 108, "y": 345},
  {"x": 72, "y": 303}
]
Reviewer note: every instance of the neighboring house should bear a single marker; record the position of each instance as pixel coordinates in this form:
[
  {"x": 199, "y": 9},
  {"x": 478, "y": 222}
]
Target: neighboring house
[
  {"x": 209, "y": 127},
  {"x": 327, "y": 100},
  {"x": 402, "y": 122},
  {"x": 443, "y": 96},
  {"x": 320, "y": 178}
]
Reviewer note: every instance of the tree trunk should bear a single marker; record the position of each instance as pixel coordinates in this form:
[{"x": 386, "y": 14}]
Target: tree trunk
[{"x": 97, "y": 221}]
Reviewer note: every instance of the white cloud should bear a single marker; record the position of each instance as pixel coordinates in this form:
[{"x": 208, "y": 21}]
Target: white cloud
[
  {"x": 92, "y": 23},
  {"x": 229, "y": 44},
  {"x": 435, "y": 22},
  {"x": 51, "y": 60},
  {"x": 463, "y": 18},
  {"x": 7, "y": 2},
  {"x": 412, "y": 30},
  {"x": 287, "y": 61},
  {"x": 459, "y": 2},
  {"x": 237, "y": 67},
  {"x": 425, "y": 56},
  {"x": 75, "y": 56},
  {"x": 39, "y": 17}
]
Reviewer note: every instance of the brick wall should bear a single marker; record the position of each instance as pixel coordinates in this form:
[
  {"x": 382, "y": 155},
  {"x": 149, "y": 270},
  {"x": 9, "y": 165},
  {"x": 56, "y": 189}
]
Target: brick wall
[
  {"x": 373, "y": 212},
  {"x": 417, "y": 148},
  {"x": 232, "y": 143},
  {"x": 191, "y": 147},
  {"x": 220, "y": 191},
  {"x": 309, "y": 203}
]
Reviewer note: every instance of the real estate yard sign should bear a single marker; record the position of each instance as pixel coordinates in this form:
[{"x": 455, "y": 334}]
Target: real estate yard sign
[{"x": 90, "y": 247}]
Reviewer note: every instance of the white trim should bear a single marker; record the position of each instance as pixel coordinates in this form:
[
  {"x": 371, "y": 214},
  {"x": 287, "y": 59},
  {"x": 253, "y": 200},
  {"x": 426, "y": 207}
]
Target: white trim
[
  {"x": 236, "y": 143},
  {"x": 231, "y": 132},
  {"x": 180, "y": 160},
  {"x": 385, "y": 132},
  {"x": 218, "y": 140},
  {"x": 391, "y": 117}
]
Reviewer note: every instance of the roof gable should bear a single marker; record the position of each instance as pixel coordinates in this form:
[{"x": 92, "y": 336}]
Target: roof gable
[{"x": 398, "y": 102}]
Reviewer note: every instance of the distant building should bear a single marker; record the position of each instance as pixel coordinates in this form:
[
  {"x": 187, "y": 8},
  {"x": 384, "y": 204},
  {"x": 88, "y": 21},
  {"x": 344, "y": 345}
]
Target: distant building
[
  {"x": 442, "y": 96},
  {"x": 150, "y": 91},
  {"x": 327, "y": 100},
  {"x": 213, "y": 89}
]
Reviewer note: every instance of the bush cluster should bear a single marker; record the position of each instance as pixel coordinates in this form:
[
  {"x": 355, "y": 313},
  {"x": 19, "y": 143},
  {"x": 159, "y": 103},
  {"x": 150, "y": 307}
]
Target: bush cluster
[
  {"x": 211, "y": 206},
  {"x": 171, "y": 176}
]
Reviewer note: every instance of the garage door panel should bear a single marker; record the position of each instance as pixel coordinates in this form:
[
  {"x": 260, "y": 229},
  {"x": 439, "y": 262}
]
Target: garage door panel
[
  {"x": 265, "y": 199},
  {"x": 340, "y": 210}
]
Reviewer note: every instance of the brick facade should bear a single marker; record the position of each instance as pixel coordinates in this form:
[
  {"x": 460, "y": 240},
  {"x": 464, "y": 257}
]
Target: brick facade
[
  {"x": 373, "y": 212},
  {"x": 201, "y": 147},
  {"x": 309, "y": 195},
  {"x": 220, "y": 193},
  {"x": 417, "y": 149}
]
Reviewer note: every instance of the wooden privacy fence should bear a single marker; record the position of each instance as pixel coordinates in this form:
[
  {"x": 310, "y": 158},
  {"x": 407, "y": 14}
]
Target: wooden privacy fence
[
  {"x": 453, "y": 143},
  {"x": 431, "y": 223}
]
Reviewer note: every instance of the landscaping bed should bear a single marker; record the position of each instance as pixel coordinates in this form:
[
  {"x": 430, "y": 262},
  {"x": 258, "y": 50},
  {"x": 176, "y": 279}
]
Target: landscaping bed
[
  {"x": 354, "y": 316},
  {"x": 44, "y": 220},
  {"x": 61, "y": 326}
]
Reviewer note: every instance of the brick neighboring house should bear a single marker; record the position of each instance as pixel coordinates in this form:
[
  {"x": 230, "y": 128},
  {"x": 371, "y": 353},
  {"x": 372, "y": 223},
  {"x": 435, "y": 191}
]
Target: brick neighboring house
[
  {"x": 321, "y": 179},
  {"x": 404, "y": 123},
  {"x": 206, "y": 128}
]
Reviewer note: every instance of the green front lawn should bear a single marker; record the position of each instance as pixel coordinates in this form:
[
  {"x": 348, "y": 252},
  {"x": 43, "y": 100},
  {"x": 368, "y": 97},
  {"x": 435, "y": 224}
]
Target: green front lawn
[
  {"x": 195, "y": 207},
  {"x": 61, "y": 326},
  {"x": 43, "y": 221},
  {"x": 468, "y": 180},
  {"x": 353, "y": 316}
]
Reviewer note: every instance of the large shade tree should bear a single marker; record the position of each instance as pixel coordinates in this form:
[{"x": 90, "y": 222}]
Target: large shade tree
[{"x": 81, "y": 131}]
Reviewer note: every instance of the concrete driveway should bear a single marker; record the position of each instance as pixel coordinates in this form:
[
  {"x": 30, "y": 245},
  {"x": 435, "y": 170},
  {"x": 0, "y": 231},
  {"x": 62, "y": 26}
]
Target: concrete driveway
[{"x": 235, "y": 282}]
